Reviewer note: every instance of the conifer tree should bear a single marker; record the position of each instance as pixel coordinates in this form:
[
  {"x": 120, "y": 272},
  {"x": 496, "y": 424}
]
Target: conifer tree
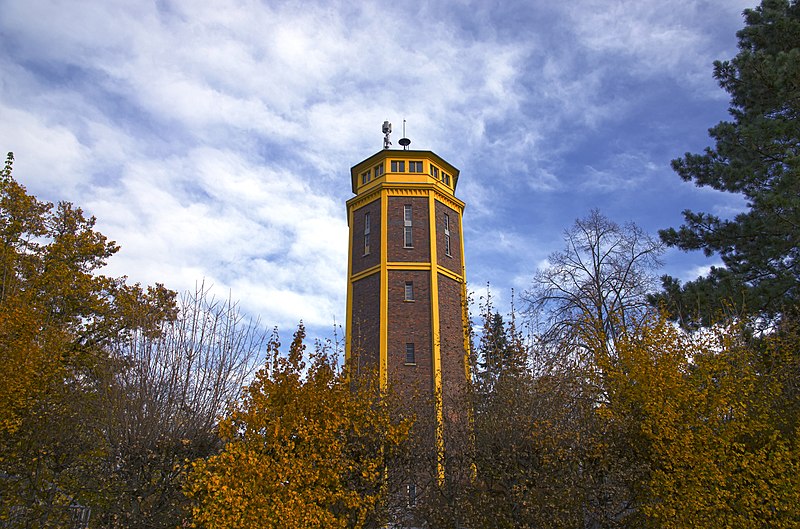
[{"x": 756, "y": 155}]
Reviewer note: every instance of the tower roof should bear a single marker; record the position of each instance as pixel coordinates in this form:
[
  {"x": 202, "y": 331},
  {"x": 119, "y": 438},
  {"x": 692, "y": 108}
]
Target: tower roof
[{"x": 430, "y": 157}]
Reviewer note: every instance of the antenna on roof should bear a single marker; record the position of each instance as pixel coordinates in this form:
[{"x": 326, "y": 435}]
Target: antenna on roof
[
  {"x": 387, "y": 129},
  {"x": 405, "y": 142}
]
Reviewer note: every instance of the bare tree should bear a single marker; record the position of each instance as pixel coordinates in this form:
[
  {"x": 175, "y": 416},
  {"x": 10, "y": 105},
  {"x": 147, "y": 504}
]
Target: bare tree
[
  {"x": 167, "y": 392},
  {"x": 601, "y": 277},
  {"x": 591, "y": 294}
]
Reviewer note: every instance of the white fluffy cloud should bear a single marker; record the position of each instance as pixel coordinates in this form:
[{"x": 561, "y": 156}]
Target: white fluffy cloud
[{"x": 214, "y": 139}]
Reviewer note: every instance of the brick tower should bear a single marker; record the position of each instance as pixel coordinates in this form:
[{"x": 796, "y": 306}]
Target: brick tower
[{"x": 406, "y": 290}]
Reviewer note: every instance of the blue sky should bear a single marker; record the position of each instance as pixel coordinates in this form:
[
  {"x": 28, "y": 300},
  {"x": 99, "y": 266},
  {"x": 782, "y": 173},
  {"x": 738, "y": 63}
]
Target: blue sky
[{"x": 213, "y": 139}]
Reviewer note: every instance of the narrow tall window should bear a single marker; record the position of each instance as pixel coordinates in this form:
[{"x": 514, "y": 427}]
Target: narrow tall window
[
  {"x": 365, "y": 177},
  {"x": 408, "y": 240},
  {"x": 414, "y": 167},
  {"x": 447, "y": 235},
  {"x": 410, "y": 356},
  {"x": 398, "y": 166},
  {"x": 434, "y": 171},
  {"x": 378, "y": 170},
  {"x": 366, "y": 233},
  {"x": 446, "y": 178},
  {"x": 408, "y": 295},
  {"x": 411, "y": 489}
]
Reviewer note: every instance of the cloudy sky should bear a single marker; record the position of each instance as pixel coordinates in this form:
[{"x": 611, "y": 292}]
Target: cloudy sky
[{"x": 213, "y": 139}]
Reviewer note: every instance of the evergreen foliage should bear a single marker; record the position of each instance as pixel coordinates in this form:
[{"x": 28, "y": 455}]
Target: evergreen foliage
[{"x": 756, "y": 155}]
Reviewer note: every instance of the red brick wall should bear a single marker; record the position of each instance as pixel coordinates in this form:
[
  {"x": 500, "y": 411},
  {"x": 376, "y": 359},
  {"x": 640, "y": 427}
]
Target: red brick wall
[
  {"x": 452, "y": 262},
  {"x": 365, "y": 324},
  {"x": 359, "y": 260},
  {"x": 451, "y": 329},
  {"x": 421, "y": 251},
  {"x": 410, "y": 322}
]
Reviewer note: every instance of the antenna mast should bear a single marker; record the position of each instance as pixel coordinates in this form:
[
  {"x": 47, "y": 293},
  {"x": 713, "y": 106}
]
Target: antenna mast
[
  {"x": 387, "y": 129},
  {"x": 405, "y": 142}
]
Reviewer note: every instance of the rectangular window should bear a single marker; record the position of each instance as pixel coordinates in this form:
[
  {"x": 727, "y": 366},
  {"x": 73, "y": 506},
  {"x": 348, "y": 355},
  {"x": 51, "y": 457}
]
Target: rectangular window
[
  {"x": 398, "y": 166},
  {"x": 409, "y": 291},
  {"x": 447, "y": 235},
  {"x": 434, "y": 171},
  {"x": 408, "y": 240},
  {"x": 446, "y": 178},
  {"x": 414, "y": 167},
  {"x": 365, "y": 177},
  {"x": 366, "y": 233},
  {"x": 411, "y": 489},
  {"x": 378, "y": 170},
  {"x": 410, "y": 356}
]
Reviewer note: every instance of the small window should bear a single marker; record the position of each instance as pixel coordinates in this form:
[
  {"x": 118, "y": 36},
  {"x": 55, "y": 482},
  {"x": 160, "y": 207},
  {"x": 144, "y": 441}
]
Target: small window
[
  {"x": 408, "y": 240},
  {"x": 447, "y": 235},
  {"x": 408, "y": 295},
  {"x": 434, "y": 171},
  {"x": 414, "y": 167},
  {"x": 366, "y": 233},
  {"x": 411, "y": 490},
  {"x": 398, "y": 166},
  {"x": 410, "y": 356},
  {"x": 365, "y": 177},
  {"x": 446, "y": 178},
  {"x": 378, "y": 170}
]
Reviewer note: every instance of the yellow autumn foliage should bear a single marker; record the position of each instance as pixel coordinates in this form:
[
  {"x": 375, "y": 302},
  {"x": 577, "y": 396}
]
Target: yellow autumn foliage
[
  {"x": 304, "y": 448},
  {"x": 706, "y": 414}
]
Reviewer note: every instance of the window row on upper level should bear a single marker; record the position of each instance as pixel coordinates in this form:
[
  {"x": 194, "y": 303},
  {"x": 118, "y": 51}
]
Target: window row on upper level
[
  {"x": 399, "y": 166},
  {"x": 439, "y": 175},
  {"x": 375, "y": 172}
]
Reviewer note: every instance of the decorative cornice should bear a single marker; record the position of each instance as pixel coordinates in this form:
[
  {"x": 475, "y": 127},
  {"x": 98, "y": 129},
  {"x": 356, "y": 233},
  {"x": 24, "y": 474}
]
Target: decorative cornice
[
  {"x": 408, "y": 191},
  {"x": 362, "y": 200},
  {"x": 450, "y": 201}
]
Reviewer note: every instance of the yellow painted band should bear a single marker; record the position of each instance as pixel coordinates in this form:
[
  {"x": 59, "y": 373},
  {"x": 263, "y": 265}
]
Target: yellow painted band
[
  {"x": 348, "y": 318},
  {"x": 384, "y": 296},
  {"x": 465, "y": 307},
  {"x": 436, "y": 342},
  {"x": 364, "y": 273}
]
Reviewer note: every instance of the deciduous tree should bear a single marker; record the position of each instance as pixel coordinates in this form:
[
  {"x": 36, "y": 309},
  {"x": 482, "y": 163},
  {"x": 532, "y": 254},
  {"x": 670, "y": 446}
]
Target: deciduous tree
[
  {"x": 603, "y": 276},
  {"x": 703, "y": 418},
  {"x": 165, "y": 394},
  {"x": 58, "y": 315},
  {"x": 305, "y": 447}
]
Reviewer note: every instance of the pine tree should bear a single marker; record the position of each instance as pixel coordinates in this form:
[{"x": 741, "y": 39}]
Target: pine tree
[{"x": 757, "y": 155}]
